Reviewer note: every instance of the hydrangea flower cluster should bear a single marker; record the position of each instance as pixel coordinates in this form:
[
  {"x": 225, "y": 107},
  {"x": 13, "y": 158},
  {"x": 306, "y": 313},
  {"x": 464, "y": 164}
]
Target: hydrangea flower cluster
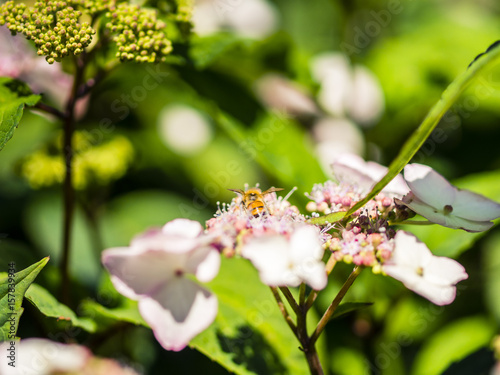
[
  {"x": 138, "y": 34},
  {"x": 288, "y": 249},
  {"x": 56, "y": 29},
  {"x": 53, "y": 25}
]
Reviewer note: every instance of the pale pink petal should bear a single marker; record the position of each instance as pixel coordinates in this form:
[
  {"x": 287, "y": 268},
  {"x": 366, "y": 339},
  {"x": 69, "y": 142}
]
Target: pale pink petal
[
  {"x": 269, "y": 254},
  {"x": 135, "y": 274},
  {"x": 156, "y": 239},
  {"x": 475, "y": 207},
  {"x": 178, "y": 312},
  {"x": 429, "y": 186},
  {"x": 183, "y": 228},
  {"x": 204, "y": 263}
]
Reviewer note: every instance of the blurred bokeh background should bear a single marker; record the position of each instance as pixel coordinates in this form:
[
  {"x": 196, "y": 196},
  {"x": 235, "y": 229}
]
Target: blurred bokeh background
[{"x": 271, "y": 92}]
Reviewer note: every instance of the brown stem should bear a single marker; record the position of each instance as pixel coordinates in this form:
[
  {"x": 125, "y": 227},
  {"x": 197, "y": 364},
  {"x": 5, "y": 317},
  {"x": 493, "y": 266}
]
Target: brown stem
[
  {"x": 69, "y": 193},
  {"x": 313, "y": 361},
  {"x": 49, "y": 109},
  {"x": 289, "y": 297},
  {"x": 335, "y": 303},
  {"x": 284, "y": 311}
]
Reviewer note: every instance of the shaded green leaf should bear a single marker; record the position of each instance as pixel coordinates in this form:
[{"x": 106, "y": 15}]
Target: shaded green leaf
[
  {"x": 206, "y": 50},
  {"x": 100, "y": 313},
  {"x": 11, "y": 297},
  {"x": 49, "y": 306},
  {"x": 14, "y": 96},
  {"x": 348, "y": 307},
  {"x": 452, "y": 343}
]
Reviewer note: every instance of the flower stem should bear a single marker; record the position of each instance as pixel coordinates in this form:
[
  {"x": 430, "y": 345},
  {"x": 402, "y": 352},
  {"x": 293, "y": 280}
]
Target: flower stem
[
  {"x": 69, "y": 193},
  {"x": 289, "y": 297},
  {"x": 335, "y": 303},
  {"x": 284, "y": 311},
  {"x": 49, "y": 109}
]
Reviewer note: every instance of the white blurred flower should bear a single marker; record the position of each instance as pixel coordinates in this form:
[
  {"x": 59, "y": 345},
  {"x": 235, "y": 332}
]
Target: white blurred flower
[
  {"x": 365, "y": 174},
  {"x": 289, "y": 262},
  {"x": 248, "y": 18},
  {"x": 418, "y": 269},
  {"x": 154, "y": 270},
  {"x": 433, "y": 197},
  {"x": 36, "y": 356},
  {"x": 279, "y": 93},
  {"x": 183, "y": 129},
  {"x": 346, "y": 91},
  {"x": 334, "y": 137}
]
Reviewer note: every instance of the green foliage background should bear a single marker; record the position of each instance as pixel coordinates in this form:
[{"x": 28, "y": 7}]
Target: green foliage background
[{"x": 419, "y": 49}]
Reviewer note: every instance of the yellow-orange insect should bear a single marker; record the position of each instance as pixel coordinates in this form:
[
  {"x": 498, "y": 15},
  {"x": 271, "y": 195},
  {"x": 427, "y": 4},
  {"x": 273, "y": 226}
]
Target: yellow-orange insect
[{"x": 253, "y": 200}]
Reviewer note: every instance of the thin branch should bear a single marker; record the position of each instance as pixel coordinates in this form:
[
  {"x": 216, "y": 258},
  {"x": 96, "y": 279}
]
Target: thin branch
[
  {"x": 284, "y": 311},
  {"x": 69, "y": 192},
  {"x": 412, "y": 222},
  {"x": 302, "y": 294},
  {"x": 289, "y": 297},
  {"x": 335, "y": 303},
  {"x": 49, "y": 109}
]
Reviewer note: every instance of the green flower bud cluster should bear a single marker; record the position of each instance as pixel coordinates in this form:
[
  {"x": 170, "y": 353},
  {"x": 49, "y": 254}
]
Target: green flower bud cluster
[
  {"x": 94, "y": 7},
  {"x": 138, "y": 34},
  {"x": 92, "y": 164},
  {"x": 52, "y": 25}
]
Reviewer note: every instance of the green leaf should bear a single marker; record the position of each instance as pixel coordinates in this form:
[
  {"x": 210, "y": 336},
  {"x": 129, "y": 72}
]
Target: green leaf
[
  {"x": 417, "y": 139},
  {"x": 48, "y": 305},
  {"x": 11, "y": 297},
  {"x": 452, "y": 343},
  {"x": 330, "y": 218},
  {"x": 206, "y": 50},
  {"x": 128, "y": 313},
  {"x": 348, "y": 307},
  {"x": 249, "y": 335},
  {"x": 14, "y": 95}
]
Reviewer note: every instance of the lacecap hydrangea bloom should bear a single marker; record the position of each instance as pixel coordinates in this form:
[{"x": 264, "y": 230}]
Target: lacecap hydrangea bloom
[{"x": 155, "y": 271}]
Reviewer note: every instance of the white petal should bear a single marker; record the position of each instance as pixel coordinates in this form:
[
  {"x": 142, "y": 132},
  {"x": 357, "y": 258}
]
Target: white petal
[
  {"x": 313, "y": 273},
  {"x": 437, "y": 294},
  {"x": 183, "y": 228},
  {"x": 135, "y": 274},
  {"x": 270, "y": 255},
  {"x": 408, "y": 250},
  {"x": 444, "y": 271},
  {"x": 429, "y": 186},
  {"x": 366, "y": 102},
  {"x": 305, "y": 244},
  {"x": 447, "y": 220},
  {"x": 179, "y": 312},
  {"x": 472, "y": 206},
  {"x": 36, "y": 356},
  {"x": 204, "y": 263}
]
